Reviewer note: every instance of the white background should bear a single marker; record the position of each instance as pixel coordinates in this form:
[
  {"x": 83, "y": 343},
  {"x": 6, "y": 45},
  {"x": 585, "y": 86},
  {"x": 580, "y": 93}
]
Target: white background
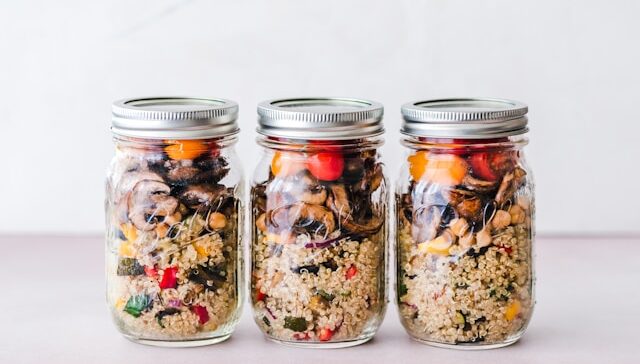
[{"x": 574, "y": 62}]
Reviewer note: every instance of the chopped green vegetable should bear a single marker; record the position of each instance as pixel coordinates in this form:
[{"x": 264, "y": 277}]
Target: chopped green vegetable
[
  {"x": 460, "y": 319},
  {"x": 402, "y": 289},
  {"x": 136, "y": 304},
  {"x": 327, "y": 296},
  {"x": 266, "y": 321},
  {"x": 129, "y": 267},
  {"x": 298, "y": 324},
  {"x": 211, "y": 277},
  {"x": 345, "y": 293},
  {"x": 168, "y": 312}
]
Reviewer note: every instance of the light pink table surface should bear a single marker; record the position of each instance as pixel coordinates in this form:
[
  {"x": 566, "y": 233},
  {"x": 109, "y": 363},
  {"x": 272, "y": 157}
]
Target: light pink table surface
[{"x": 53, "y": 311}]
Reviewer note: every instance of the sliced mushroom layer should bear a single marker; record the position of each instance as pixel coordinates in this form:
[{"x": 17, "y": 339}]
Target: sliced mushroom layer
[
  {"x": 150, "y": 203},
  {"x": 314, "y": 219},
  {"x": 338, "y": 202},
  {"x": 199, "y": 197}
]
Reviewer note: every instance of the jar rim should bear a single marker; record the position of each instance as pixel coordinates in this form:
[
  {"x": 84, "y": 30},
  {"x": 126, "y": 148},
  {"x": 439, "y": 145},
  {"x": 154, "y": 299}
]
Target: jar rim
[
  {"x": 174, "y": 117},
  {"x": 464, "y": 118},
  {"x": 321, "y": 118}
]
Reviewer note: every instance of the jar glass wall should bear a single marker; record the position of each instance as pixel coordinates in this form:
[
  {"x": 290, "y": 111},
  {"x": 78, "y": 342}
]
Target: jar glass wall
[
  {"x": 319, "y": 233},
  {"x": 465, "y": 230},
  {"x": 173, "y": 244}
]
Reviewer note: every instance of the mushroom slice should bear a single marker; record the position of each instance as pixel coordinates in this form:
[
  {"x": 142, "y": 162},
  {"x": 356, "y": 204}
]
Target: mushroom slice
[
  {"x": 149, "y": 203},
  {"x": 180, "y": 171},
  {"x": 213, "y": 170},
  {"x": 509, "y": 185},
  {"x": 313, "y": 192},
  {"x": 201, "y": 196},
  {"x": 371, "y": 180},
  {"x": 313, "y": 218},
  {"x": 475, "y": 184},
  {"x": 338, "y": 202}
]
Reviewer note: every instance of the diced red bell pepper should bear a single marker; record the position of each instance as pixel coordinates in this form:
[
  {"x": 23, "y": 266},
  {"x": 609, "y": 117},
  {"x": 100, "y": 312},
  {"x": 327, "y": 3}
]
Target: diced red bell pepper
[
  {"x": 260, "y": 296},
  {"x": 351, "y": 271},
  {"x": 506, "y": 249},
  {"x": 201, "y": 312},
  {"x": 301, "y": 336},
  {"x": 150, "y": 271},
  {"x": 169, "y": 278},
  {"x": 325, "y": 334}
]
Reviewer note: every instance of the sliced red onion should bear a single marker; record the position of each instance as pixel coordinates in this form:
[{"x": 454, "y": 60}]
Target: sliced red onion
[
  {"x": 174, "y": 303},
  {"x": 328, "y": 242},
  {"x": 270, "y": 313}
]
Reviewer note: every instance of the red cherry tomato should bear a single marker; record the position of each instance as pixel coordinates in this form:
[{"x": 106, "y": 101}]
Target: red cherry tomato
[
  {"x": 326, "y": 166},
  {"x": 480, "y": 164}
]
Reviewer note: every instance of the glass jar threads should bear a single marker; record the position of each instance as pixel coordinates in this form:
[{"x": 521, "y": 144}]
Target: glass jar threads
[
  {"x": 465, "y": 211},
  {"x": 173, "y": 221},
  {"x": 319, "y": 222}
]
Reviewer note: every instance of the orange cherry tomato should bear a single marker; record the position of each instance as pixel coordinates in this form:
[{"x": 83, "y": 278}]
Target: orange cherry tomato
[
  {"x": 326, "y": 166},
  {"x": 185, "y": 149},
  {"x": 286, "y": 164},
  {"x": 445, "y": 169}
]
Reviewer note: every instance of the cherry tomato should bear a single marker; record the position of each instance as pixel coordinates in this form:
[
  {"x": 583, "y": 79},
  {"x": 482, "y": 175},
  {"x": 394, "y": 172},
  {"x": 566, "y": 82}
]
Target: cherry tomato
[
  {"x": 286, "y": 164},
  {"x": 325, "y": 334},
  {"x": 185, "y": 149},
  {"x": 491, "y": 165},
  {"x": 326, "y": 166},
  {"x": 480, "y": 166},
  {"x": 445, "y": 169}
]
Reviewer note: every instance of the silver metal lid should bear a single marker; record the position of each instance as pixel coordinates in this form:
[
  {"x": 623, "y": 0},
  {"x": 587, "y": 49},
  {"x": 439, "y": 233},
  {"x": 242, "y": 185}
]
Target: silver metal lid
[
  {"x": 174, "y": 118},
  {"x": 324, "y": 118},
  {"x": 465, "y": 118}
]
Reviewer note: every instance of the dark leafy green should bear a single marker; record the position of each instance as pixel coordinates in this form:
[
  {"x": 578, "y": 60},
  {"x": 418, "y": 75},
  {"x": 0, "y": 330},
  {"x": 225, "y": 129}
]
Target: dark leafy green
[
  {"x": 162, "y": 314},
  {"x": 137, "y": 304},
  {"x": 211, "y": 277},
  {"x": 129, "y": 267},
  {"x": 297, "y": 324},
  {"x": 327, "y": 296}
]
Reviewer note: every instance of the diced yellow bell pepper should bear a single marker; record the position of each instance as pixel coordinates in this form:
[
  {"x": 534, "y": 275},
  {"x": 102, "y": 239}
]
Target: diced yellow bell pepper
[
  {"x": 200, "y": 249},
  {"x": 119, "y": 305},
  {"x": 126, "y": 250},
  {"x": 512, "y": 310},
  {"x": 439, "y": 245},
  {"x": 129, "y": 232}
]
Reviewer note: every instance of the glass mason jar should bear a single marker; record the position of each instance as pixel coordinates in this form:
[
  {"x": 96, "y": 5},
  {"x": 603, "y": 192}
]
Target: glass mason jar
[
  {"x": 173, "y": 221},
  {"x": 319, "y": 222},
  {"x": 465, "y": 213}
]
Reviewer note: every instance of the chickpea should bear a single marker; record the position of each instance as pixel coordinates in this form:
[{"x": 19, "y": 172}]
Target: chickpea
[
  {"x": 483, "y": 238},
  {"x": 501, "y": 220},
  {"x": 459, "y": 226},
  {"x": 467, "y": 240},
  {"x": 217, "y": 221},
  {"x": 517, "y": 215}
]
